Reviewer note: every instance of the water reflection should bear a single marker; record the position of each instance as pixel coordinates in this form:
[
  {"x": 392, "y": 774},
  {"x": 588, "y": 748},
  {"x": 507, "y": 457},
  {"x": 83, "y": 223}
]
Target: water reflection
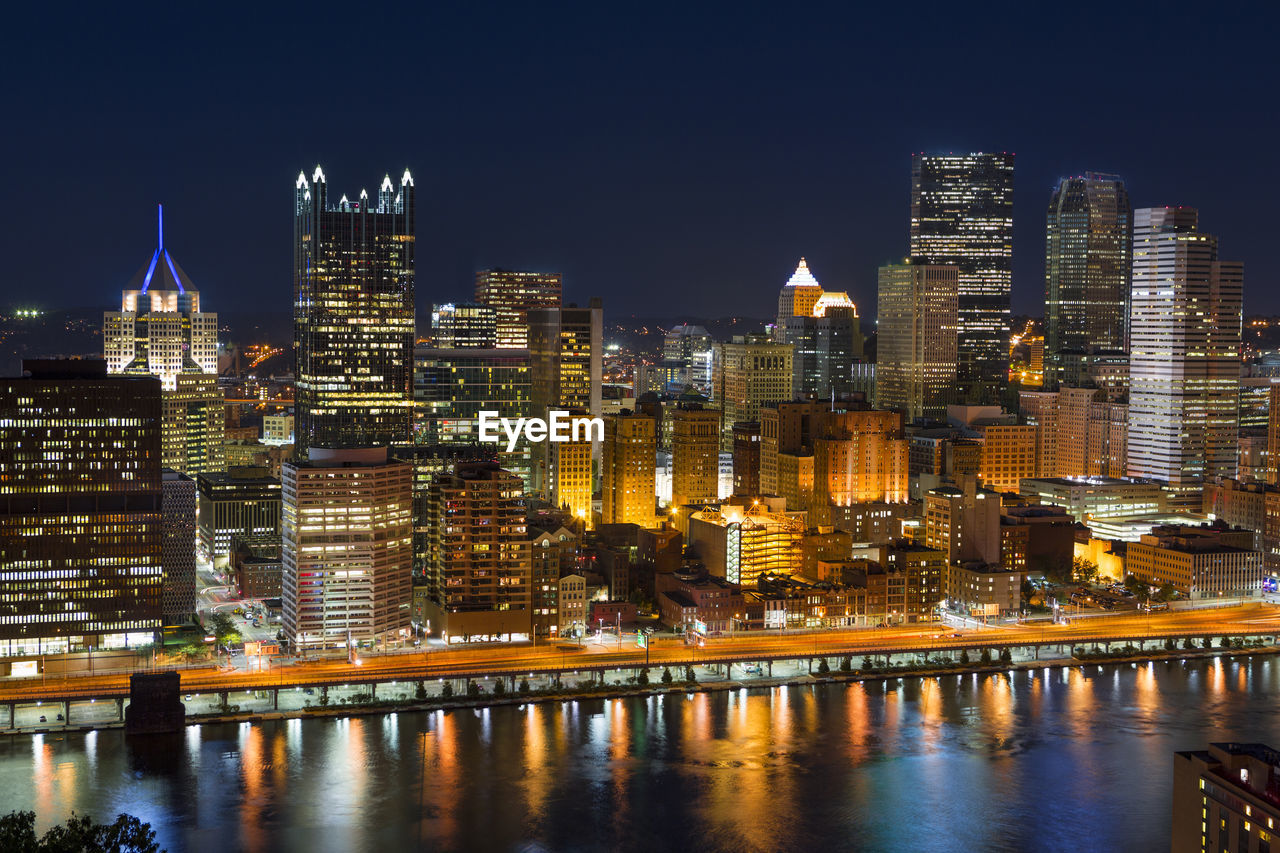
[{"x": 953, "y": 762}]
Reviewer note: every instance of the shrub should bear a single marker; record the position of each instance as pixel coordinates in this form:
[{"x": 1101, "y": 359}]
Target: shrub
[
  {"x": 420, "y": 690},
  {"x": 473, "y": 688},
  {"x": 666, "y": 675},
  {"x": 985, "y": 657},
  {"x": 689, "y": 677},
  {"x": 447, "y": 691},
  {"x": 1006, "y": 656},
  {"x": 868, "y": 663},
  {"x": 823, "y": 666},
  {"x": 1188, "y": 644},
  {"x": 846, "y": 664},
  {"x": 524, "y": 685},
  {"x": 964, "y": 657},
  {"x": 499, "y": 688}
]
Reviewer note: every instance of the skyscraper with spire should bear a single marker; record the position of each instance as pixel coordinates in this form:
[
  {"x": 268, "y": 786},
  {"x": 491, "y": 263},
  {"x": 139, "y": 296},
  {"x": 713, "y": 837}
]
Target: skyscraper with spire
[
  {"x": 160, "y": 331},
  {"x": 353, "y": 267}
]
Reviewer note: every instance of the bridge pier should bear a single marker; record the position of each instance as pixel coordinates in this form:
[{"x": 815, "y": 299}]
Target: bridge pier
[
  {"x": 12, "y": 713},
  {"x": 120, "y": 710},
  {"x": 373, "y": 692},
  {"x": 66, "y": 711},
  {"x": 771, "y": 669},
  {"x": 275, "y": 699}
]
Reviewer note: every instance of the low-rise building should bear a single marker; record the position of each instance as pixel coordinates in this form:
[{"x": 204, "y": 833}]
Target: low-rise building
[
  {"x": 1201, "y": 562},
  {"x": 710, "y": 600},
  {"x": 977, "y": 589},
  {"x": 572, "y": 605},
  {"x": 256, "y": 565},
  {"x": 1090, "y": 498}
]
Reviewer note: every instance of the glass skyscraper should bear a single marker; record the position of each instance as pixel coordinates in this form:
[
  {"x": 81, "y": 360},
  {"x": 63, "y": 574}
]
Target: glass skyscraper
[
  {"x": 962, "y": 215},
  {"x": 353, "y": 315},
  {"x": 513, "y": 294},
  {"x": 1088, "y": 261},
  {"x": 916, "y": 357},
  {"x": 1184, "y": 354}
]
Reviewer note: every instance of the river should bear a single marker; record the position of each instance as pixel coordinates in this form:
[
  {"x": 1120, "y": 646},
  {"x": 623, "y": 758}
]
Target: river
[{"x": 1043, "y": 760}]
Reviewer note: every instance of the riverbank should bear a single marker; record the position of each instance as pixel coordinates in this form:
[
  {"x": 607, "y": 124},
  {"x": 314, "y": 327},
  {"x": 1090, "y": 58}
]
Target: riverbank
[{"x": 678, "y": 685}]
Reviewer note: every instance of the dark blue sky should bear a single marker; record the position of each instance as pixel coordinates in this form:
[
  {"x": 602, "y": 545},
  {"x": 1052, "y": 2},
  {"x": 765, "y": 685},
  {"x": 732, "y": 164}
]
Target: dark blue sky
[{"x": 673, "y": 159}]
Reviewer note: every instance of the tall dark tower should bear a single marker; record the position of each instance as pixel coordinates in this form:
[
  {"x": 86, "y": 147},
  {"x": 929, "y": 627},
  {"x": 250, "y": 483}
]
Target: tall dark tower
[
  {"x": 1088, "y": 262},
  {"x": 962, "y": 215},
  {"x": 353, "y": 315}
]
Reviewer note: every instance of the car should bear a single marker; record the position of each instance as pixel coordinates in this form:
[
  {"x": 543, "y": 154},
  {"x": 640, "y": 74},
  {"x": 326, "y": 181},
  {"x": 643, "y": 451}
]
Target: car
[
  {"x": 957, "y": 634},
  {"x": 42, "y": 719}
]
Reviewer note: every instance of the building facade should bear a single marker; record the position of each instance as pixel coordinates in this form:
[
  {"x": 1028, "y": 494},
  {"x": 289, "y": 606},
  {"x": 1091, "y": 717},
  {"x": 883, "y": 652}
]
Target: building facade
[
  {"x": 347, "y": 537},
  {"x": 627, "y": 479},
  {"x": 917, "y": 323},
  {"x": 962, "y": 215},
  {"x": 178, "y": 553},
  {"x": 353, "y": 268},
  {"x": 512, "y": 294}
]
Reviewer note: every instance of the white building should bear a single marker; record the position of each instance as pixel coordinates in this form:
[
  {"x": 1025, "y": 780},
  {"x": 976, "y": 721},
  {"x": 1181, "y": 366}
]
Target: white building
[
  {"x": 347, "y": 530},
  {"x": 1184, "y": 362}
]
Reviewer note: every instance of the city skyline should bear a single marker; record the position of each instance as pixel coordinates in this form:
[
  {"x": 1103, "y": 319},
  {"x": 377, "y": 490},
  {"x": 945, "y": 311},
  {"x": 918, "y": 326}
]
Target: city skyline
[{"x": 802, "y": 178}]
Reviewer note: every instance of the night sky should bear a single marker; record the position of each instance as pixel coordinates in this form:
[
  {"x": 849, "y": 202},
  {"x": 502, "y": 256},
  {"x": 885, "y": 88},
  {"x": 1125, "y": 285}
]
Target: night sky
[{"x": 676, "y": 161}]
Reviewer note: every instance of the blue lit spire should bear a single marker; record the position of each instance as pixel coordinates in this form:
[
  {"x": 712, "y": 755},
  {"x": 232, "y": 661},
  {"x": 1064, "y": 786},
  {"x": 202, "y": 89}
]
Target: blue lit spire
[{"x": 175, "y": 278}]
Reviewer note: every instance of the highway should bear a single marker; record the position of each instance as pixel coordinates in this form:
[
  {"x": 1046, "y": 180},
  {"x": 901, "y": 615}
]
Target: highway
[{"x": 1255, "y": 619}]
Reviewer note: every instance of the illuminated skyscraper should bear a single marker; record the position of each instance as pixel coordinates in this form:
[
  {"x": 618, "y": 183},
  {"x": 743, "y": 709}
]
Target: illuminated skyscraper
[
  {"x": 81, "y": 509},
  {"x": 916, "y": 339},
  {"x": 797, "y": 297},
  {"x": 353, "y": 315},
  {"x": 627, "y": 477},
  {"x": 178, "y": 552},
  {"x": 566, "y": 352},
  {"x": 962, "y": 214},
  {"x": 1088, "y": 261},
  {"x": 750, "y": 371},
  {"x": 347, "y": 532},
  {"x": 687, "y": 356},
  {"x": 160, "y": 331},
  {"x": 1184, "y": 354},
  {"x": 479, "y": 572},
  {"x": 695, "y": 454},
  {"x": 463, "y": 325},
  {"x": 512, "y": 295}
]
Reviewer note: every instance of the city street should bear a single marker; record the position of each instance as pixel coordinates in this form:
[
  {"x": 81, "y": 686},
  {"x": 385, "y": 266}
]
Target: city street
[{"x": 439, "y": 662}]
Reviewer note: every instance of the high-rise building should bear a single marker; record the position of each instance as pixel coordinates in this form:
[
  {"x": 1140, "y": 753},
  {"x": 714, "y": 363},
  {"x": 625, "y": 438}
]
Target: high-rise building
[
  {"x": 571, "y": 484},
  {"x": 750, "y": 370},
  {"x": 962, "y": 214},
  {"x": 742, "y": 544},
  {"x": 347, "y": 532},
  {"x": 1184, "y": 361},
  {"x": 353, "y": 265},
  {"x": 464, "y": 325},
  {"x": 1088, "y": 262},
  {"x": 451, "y": 387},
  {"x": 797, "y": 297},
  {"x": 81, "y": 509},
  {"x": 479, "y": 568},
  {"x": 627, "y": 478},
  {"x": 917, "y": 332},
  {"x": 566, "y": 350},
  {"x": 178, "y": 552},
  {"x": 746, "y": 458},
  {"x": 161, "y": 331},
  {"x": 695, "y": 454},
  {"x": 1273, "y": 434},
  {"x": 687, "y": 357},
  {"x": 243, "y": 501},
  {"x": 512, "y": 295}
]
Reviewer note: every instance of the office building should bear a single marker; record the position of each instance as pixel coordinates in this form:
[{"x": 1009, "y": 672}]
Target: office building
[
  {"x": 1090, "y": 498},
  {"x": 1184, "y": 362},
  {"x": 825, "y": 335},
  {"x": 347, "y": 535},
  {"x": 81, "y": 515},
  {"x": 746, "y": 458},
  {"x": 512, "y": 294},
  {"x": 160, "y": 331},
  {"x": 479, "y": 573},
  {"x": 750, "y": 370},
  {"x": 242, "y": 501},
  {"x": 566, "y": 349},
  {"x": 917, "y": 332},
  {"x": 1224, "y": 798},
  {"x": 277, "y": 429},
  {"x": 1088, "y": 262},
  {"x": 178, "y": 552},
  {"x": 464, "y": 325},
  {"x": 979, "y": 590},
  {"x": 962, "y": 215},
  {"x": 571, "y": 487},
  {"x": 572, "y": 606},
  {"x": 353, "y": 267},
  {"x": 797, "y": 298},
  {"x": 687, "y": 357},
  {"x": 627, "y": 484},
  {"x": 257, "y": 565},
  {"x": 695, "y": 454},
  {"x": 963, "y": 523},
  {"x": 1198, "y": 561}
]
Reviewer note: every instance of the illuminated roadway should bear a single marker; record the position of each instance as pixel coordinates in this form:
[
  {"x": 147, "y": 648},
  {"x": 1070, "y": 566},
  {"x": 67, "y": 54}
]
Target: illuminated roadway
[{"x": 514, "y": 660}]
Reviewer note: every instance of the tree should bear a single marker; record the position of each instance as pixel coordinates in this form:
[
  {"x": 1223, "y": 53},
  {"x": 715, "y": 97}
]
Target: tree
[
  {"x": 1188, "y": 644},
  {"x": 447, "y": 690},
  {"x": 1170, "y": 644},
  {"x": 223, "y": 628},
  {"x": 473, "y": 689},
  {"x": 1028, "y": 592},
  {"x": 964, "y": 657},
  {"x": 846, "y": 664},
  {"x": 1084, "y": 570},
  {"x": 499, "y": 687},
  {"x": 524, "y": 685},
  {"x": 823, "y": 666},
  {"x": 1207, "y": 643},
  {"x": 191, "y": 652},
  {"x": 666, "y": 675},
  {"x": 643, "y": 678},
  {"x": 79, "y": 834},
  {"x": 420, "y": 691},
  {"x": 985, "y": 657},
  {"x": 868, "y": 663},
  {"x": 1165, "y": 592},
  {"x": 1006, "y": 657},
  {"x": 689, "y": 677}
]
